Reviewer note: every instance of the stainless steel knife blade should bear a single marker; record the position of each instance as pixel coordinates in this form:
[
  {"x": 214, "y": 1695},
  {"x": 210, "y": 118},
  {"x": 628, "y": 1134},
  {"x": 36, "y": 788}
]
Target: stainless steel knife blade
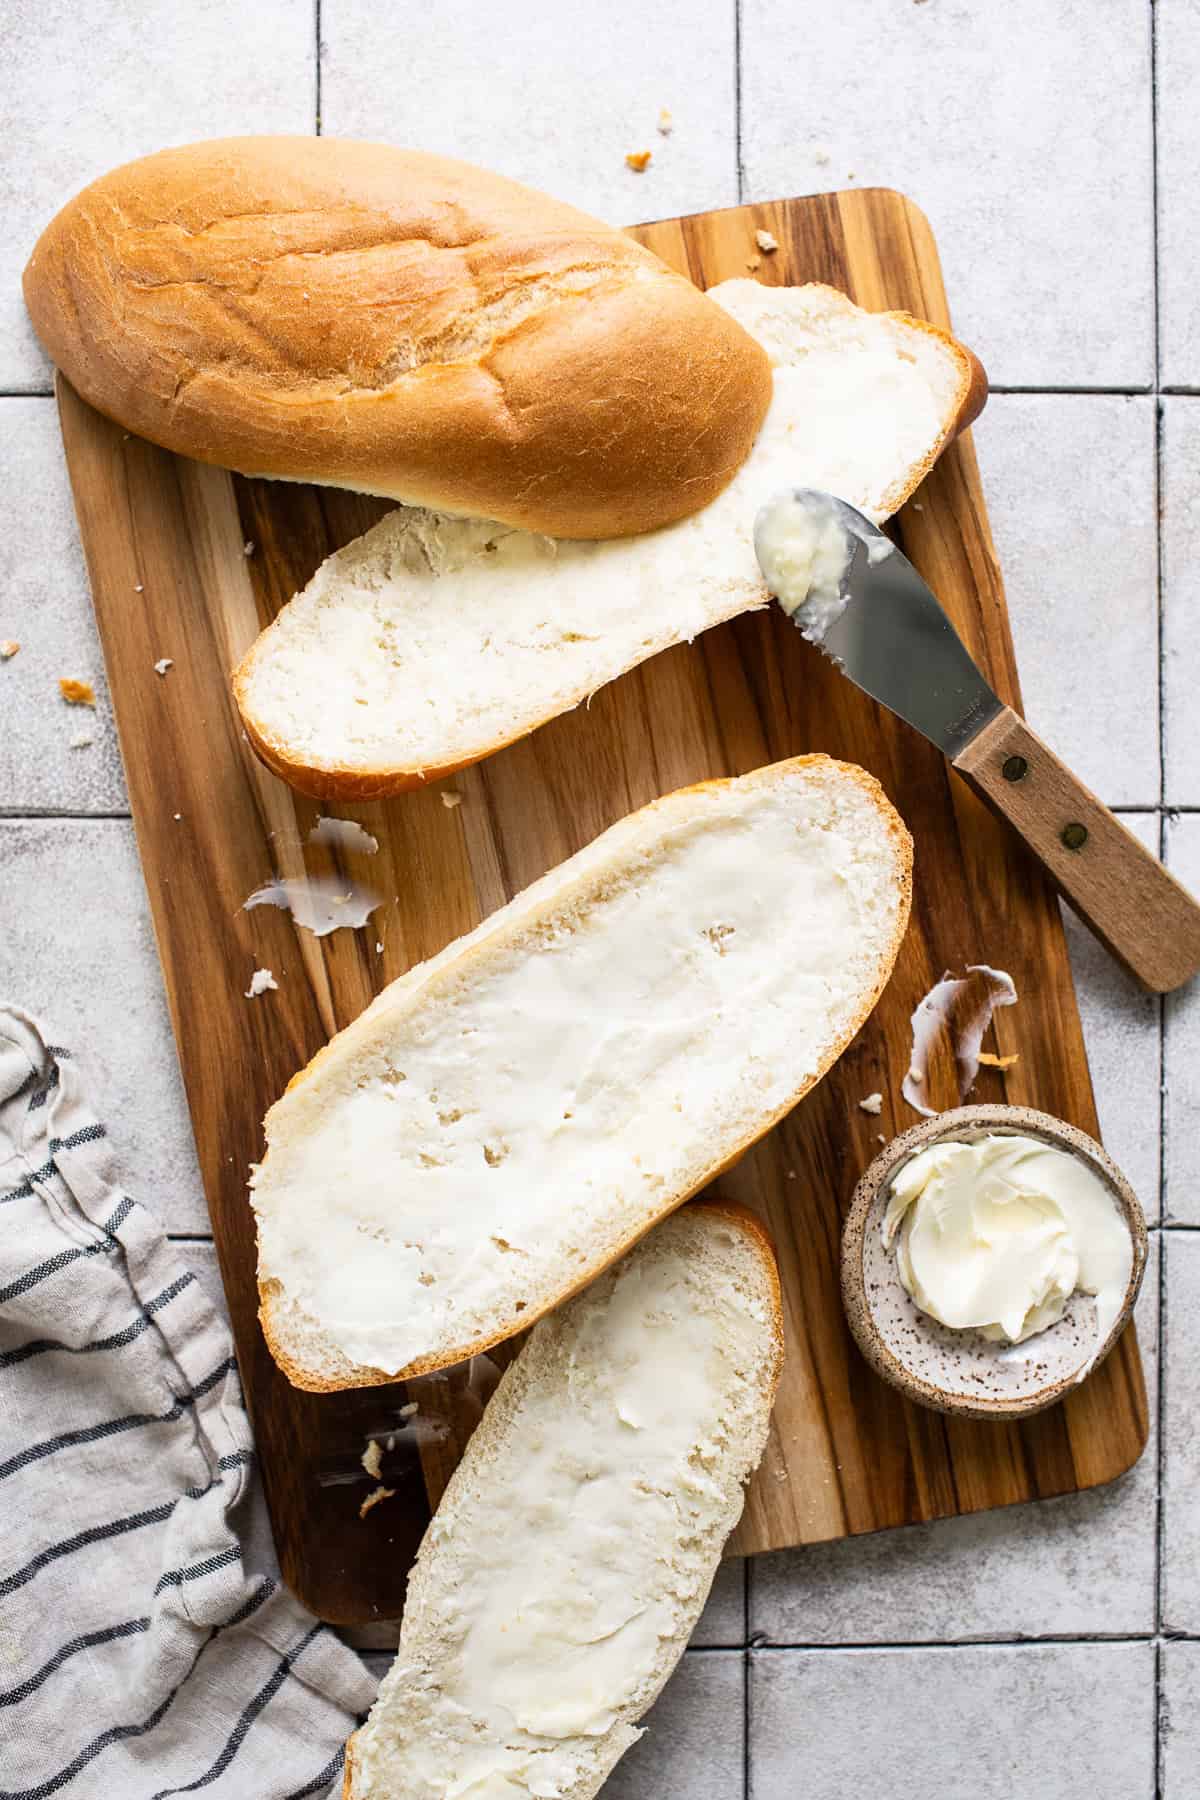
[
  {"x": 855, "y": 595},
  {"x": 886, "y": 630}
]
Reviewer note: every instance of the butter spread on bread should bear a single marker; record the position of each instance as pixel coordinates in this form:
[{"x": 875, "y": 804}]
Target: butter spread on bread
[
  {"x": 575, "y": 1545},
  {"x": 508, "y": 1118},
  {"x": 432, "y": 641},
  {"x": 330, "y": 311}
]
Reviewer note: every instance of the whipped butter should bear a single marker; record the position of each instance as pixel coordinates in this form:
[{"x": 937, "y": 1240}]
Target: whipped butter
[
  {"x": 805, "y": 542},
  {"x": 996, "y": 1234},
  {"x": 548, "y": 1594},
  {"x": 446, "y": 1162}
]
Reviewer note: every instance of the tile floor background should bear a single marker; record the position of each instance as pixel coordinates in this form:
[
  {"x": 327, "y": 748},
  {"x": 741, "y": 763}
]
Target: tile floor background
[{"x": 1056, "y": 150}]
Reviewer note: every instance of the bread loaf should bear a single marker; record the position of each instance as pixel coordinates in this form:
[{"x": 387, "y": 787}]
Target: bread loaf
[
  {"x": 571, "y": 1555},
  {"x": 347, "y": 313},
  {"x": 431, "y": 641},
  {"x": 507, "y": 1119}
]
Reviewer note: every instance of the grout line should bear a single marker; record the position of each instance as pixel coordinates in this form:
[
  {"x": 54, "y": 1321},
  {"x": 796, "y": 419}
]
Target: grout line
[
  {"x": 189, "y": 1237},
  {"x": 16, "y": 815},
  {"x": 747, "y": 1578},
  {"x": 739, "y": 164},
  {"x": 37, "y": 393},
  {"x": 317, "y": 74},
  {"x": 1143, "y": 391},
  {"x": 1160, "y": 1725},
  {"x": 1163, "y": 1201},
  {"x": 1081, "y": 1640},
  {"x": 1154, "y": 184},
  {"x": 746, "y": 1722}
]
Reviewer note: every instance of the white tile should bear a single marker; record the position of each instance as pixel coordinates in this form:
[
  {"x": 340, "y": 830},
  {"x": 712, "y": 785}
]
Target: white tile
[
  {"x": 1180, "y": 1720},
  {"x": 693, "y": 1747},
  {"x": 1120, "y": 1029},
  {"x": 1022, "y": 130},
  {"x": 1057, "y": 1568},
  {"x": 695, "y": 1732},
  {"x": 1181, "y": 1438},
  {"x": 86, "y": 88},
  {"x": 1059, "y": 1722},
  {"x": 77, "y": 951},
  {"x": 1081, "y": 580},
  {"x": 1181, "y": 1051},
  {"x": 45, "y": 606},
  {"x": 1181, "y": 597},
  {"x": 555, "y": 97},
  {"x": 1178, "y": 29}
]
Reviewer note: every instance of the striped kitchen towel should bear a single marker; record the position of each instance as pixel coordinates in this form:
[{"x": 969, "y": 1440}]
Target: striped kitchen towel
[{"x": 142, "y": 1651}]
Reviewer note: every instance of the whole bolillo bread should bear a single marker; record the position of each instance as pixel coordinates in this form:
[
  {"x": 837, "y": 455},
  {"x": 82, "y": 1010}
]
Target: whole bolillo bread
[{"x": 317, "y": 309}]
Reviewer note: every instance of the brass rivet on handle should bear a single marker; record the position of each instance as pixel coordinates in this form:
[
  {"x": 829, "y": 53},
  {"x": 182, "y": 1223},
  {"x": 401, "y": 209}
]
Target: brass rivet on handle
[
  {"x": 1014, "y": 768},
  {"x": 1074, "y": 836}
]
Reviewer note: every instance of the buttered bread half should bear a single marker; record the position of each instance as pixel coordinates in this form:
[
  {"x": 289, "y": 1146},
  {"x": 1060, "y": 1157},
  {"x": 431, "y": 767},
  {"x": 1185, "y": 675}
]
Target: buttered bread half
[
  {"x": 432, "y": 641},
  {"x": 507, "y": 1119},
  {"x": 573, "y": 1550},
  {"x": 352, "y": 314}
]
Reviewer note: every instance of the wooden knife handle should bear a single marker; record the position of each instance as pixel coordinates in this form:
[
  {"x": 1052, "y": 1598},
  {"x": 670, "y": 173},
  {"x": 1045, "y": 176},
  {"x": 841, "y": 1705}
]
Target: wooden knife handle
[{"x": 1148, "y": 921}]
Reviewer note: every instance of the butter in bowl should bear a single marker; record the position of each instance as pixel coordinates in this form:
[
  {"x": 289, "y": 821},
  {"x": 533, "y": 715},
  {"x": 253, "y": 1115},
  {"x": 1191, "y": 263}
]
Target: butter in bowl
[{"x": 990, "y": 1260}]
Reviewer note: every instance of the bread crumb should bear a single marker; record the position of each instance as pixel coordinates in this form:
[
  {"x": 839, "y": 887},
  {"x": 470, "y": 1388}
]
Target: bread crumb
[
  {"x": 373, "y": 1499},
  {"x": 637, "y": 160},
  {"x": 406, "y": 1412},
  {"x": 766, "y": 242},
  {"x": 248, "y": 547},
  {"x": 850, "y": 175},
  {"x": 879, "y": 1138},
  {"x": 871, "y": 1103},
  {"x": 76, "y": 693},
  {"x": 821, "y": 157},
  {"x": 163, "y": 664},
  {"x": 451, "y": 800},
  {"x": 371, "y": 1459},
  {"x": 260, "y": 981},
  {"x": 8, "y": 649},
  {"x": 139, "y": 587},
  {"x": 82, "y": 741},
  {"x": 991, "y": 1061},
  {"x": 666, "y": 123},
  {"x": 791, "y": 1174},
  {"x": 917, "y": 507},
  {"x": 917, "y": 1075},
  {"x": 754, "y": 263},
  {"x": 378, "y": 948},
  {"x": 177, "y": 815}
]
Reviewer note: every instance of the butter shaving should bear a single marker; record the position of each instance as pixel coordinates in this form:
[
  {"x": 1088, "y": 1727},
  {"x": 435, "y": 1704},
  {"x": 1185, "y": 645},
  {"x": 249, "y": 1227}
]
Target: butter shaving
[{"x": 962, "y": 1007}]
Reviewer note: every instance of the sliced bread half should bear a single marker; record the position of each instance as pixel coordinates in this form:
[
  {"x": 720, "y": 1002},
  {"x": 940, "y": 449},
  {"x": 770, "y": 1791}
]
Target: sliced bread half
[
  {"x": 432, "y": 640},
  {"x": 575, "y": 1545},
  {"x": 505, "y": 1120}
]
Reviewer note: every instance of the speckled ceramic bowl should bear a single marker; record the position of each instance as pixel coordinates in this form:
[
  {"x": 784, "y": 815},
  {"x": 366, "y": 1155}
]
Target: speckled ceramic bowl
[{"x": 963, "y": 1371}]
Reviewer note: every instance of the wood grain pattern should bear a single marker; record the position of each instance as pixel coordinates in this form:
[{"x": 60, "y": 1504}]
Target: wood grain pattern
[
  {"x": 165, "y": 543},
  {"x": 1133, "y": 904}
]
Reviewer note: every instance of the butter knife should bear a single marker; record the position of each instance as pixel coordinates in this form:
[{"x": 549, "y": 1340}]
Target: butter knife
[{"x": 855, "y": 595}]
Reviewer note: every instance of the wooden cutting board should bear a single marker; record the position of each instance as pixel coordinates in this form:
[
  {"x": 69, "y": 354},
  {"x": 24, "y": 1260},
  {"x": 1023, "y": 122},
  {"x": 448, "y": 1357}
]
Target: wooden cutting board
[{"x": 173, "y": 573}]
